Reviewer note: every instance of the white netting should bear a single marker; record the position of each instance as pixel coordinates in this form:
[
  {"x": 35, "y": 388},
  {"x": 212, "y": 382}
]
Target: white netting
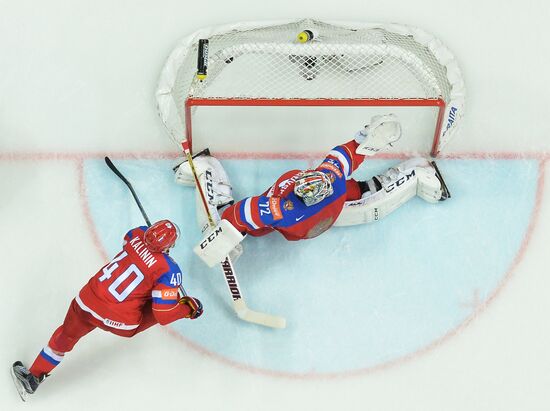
[{"x": 342, "y": 62}]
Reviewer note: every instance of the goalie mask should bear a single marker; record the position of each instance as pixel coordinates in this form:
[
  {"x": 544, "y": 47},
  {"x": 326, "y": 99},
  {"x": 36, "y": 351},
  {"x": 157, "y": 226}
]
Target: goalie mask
[
  {"x": 313, "y": 187},
  {"x": 161, "y": 236}
]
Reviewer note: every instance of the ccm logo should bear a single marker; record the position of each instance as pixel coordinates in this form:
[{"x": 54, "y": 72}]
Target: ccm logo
[
  {"x": 406, "y": 177},
  {"x": 209, "y": 186},
  {"x": 211, "y": 237}
]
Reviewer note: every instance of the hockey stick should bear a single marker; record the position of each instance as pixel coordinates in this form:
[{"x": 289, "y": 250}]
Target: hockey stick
[
  {"x": 206, "y": 152},
  {"x": 143, "y": 213},
  {"x": 125, "y": 181},
  {"x": 239, "y": 305}
]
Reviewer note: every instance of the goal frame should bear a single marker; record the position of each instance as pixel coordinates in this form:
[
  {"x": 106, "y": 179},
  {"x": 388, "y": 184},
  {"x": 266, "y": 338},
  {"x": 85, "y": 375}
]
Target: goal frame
[
  {"x": 366, "y": 102},
  {"x": 176, "y": 107}
]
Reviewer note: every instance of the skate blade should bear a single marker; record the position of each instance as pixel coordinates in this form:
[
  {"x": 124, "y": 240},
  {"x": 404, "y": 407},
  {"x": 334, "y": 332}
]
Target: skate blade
[
  {"x": 20, "y": 389},
  {"x": 445, "y": 190}
]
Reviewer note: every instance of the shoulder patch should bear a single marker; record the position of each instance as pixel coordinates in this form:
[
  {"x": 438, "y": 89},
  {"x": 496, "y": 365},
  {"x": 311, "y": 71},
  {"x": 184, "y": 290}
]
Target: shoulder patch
[
  {"x": 275, "y": 207},
  {"x": 169, "y": 294}
]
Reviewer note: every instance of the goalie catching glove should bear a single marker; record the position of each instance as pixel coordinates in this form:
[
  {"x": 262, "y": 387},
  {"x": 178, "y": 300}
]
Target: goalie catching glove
[
  {"x": 194, "y": 305},
  {"x": 379, "y": 135}
]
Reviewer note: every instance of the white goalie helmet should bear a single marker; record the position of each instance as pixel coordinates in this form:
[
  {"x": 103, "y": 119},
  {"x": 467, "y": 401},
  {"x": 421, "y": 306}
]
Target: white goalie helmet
[{"x": 313, "y": 187}]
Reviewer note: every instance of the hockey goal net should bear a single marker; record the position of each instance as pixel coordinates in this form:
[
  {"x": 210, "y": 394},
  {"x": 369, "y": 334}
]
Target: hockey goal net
[{"x": 299, "y": 86}]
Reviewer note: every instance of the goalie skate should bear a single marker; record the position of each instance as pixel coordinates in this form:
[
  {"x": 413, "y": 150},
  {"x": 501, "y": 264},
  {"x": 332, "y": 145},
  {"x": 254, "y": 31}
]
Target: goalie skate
[{"x": 445, "y": 193}]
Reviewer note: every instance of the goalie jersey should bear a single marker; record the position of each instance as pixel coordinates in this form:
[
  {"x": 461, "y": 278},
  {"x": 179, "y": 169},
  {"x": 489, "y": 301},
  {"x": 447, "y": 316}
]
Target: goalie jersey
[
  {"x": 279, "y": 209},
  {"x": 118, "y": 293}
]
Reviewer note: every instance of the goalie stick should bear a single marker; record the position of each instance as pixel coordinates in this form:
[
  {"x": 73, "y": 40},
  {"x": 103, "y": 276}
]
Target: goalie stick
[
  {"x": 143, "y": 213},
  {"x": 239, "y": 305}
]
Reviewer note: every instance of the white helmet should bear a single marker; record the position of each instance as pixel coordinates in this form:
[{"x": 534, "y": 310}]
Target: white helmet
[{"x": 313, "y": 187}]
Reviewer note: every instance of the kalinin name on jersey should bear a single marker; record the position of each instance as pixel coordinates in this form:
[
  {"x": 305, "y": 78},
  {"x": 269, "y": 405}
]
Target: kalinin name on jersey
[{"x": 143, "y": 252}]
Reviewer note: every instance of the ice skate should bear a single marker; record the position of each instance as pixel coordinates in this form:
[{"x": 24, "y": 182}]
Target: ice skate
[
  {"x": 24, "y": 381},
  {"x": 445, "y": 194}
]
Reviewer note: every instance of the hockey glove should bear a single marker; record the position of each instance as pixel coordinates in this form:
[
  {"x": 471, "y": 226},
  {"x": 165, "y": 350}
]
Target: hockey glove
[
  {"x": 194, "y": 304},
  {"x": 379, "y": 135}
]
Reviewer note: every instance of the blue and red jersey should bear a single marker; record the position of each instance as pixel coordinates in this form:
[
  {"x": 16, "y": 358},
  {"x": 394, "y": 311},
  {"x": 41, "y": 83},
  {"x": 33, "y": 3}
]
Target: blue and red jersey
[
  {"x": 117, "y": 294},
  {"x": 279, "y": 209}
]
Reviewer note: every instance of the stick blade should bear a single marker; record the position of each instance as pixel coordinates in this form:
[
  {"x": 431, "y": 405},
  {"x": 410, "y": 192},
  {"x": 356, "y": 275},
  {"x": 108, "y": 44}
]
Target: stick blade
[
  {"x": 110, "y": 163},
  {"x": 115, "y": 170},
  {"x": 267, "y": 320}
]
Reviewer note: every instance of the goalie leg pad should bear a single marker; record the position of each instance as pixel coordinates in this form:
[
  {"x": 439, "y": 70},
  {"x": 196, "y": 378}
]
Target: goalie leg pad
[
  {"x": 220, "y": 190},
  {"x": 184, "y": 175},
  {"x": 218, "y": 243},
  {"x": 215, "y": 211},
  {"x": 429, "y": 187},
  {"x": 399, "y": 184},
  {"x": 375, "y": 206},
  {"x": 214, "y": 199},
  {"x": 214, "y": 183}
]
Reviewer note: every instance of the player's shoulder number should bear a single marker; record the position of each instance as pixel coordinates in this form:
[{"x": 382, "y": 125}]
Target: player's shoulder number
[
  {"x": 175, "y": 279},
  {"x": 264, "y": 208}
]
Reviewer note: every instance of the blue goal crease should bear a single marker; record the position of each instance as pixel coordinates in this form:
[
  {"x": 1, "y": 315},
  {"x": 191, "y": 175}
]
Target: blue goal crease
[{"x": 355, "y": 297}]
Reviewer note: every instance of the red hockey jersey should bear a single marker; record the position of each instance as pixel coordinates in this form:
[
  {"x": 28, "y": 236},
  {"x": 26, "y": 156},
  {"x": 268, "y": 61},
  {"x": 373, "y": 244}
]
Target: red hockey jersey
[
  {"x": 117, "y": 293},
  {"x": 279, "y": 209}
]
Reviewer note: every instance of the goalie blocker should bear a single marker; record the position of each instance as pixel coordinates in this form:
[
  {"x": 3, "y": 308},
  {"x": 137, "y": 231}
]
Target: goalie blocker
[{"x": 215, "y": 247}]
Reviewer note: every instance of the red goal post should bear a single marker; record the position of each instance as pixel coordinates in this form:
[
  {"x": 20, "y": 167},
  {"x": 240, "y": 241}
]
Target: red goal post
[{"x": 349, "y": 66}]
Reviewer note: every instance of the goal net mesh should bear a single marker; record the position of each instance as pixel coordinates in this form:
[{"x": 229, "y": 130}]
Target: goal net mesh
[{"x": 341, "y": 62}]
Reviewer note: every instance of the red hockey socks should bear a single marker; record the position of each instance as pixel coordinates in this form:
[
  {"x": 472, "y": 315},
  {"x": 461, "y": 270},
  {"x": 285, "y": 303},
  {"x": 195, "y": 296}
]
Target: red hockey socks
[{"x": 46, "y": 361}]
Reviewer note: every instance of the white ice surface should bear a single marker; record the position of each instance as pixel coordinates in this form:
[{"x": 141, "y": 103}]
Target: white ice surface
[{"x": 78, "y": 77}]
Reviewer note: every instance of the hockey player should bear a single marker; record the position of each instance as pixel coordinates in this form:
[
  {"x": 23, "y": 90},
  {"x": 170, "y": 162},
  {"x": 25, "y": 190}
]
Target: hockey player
[
  {"x": 304, "y": 204},
  {"x": 136, "y": 290}
]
